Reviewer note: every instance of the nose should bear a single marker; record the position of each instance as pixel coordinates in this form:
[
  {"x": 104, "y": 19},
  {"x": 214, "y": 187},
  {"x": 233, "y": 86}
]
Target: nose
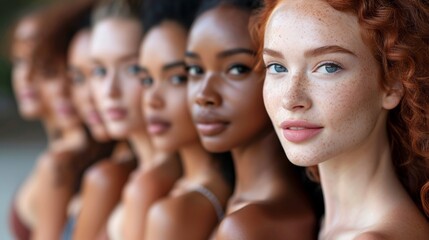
[
  {"x": 296, "y": 96},
  {"x": 207, "y": 96},
  {"x": 152, "y": 97},
  {"x": 113, "y": 85}
]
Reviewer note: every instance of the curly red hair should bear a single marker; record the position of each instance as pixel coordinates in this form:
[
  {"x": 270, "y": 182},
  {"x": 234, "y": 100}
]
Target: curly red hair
[{"x": 398, "y": 32}]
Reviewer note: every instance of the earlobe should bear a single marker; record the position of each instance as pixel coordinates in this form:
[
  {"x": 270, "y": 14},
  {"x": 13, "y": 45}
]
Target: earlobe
[{"x": 392, "y": 97}]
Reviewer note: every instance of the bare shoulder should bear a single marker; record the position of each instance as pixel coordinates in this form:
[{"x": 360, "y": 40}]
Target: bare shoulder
[
  {"x": 265, "y": 221},
  {"x": 403, "y": 224},
  {"x": 371, "y": 236},
  {"x": 107, "y": 174},
  {"x": 188, "y": 216}
]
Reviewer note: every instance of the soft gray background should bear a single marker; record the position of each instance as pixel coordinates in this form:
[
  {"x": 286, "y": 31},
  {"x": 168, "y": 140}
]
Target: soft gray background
[{"x": 20, "y": 144}]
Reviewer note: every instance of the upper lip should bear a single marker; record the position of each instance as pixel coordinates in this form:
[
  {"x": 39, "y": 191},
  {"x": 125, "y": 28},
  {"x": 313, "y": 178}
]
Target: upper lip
[
  {"x": 156, "y": 120},
  {"x": 208, "y": 117},
  {"x": 299, "y": 124}
]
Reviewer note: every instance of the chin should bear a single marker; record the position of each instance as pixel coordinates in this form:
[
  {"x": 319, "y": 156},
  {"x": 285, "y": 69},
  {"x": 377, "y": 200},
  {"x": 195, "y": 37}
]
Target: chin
[
  {"x": 214, "y": 146},
  {"x": 100, "y": 135},
  {"x": 29, "y": 113},
  {"x": 117, "y": 132}
]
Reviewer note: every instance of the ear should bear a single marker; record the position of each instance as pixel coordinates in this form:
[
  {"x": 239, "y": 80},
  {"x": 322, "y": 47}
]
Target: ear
[{"x": 392, "y": 95}]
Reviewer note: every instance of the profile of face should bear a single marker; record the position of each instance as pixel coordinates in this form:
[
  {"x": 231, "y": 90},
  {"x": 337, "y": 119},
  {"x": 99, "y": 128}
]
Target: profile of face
[
  {"x": 26, "y": 91},
  {"x": 164, "y": 80},
  {"x": 224, "y": 91},
  {"x": 55, "y": 87},
  {"x": 322, "y": 87},
  {"x": 115, "y": 75},
  {"x": 80, "y": 72}
]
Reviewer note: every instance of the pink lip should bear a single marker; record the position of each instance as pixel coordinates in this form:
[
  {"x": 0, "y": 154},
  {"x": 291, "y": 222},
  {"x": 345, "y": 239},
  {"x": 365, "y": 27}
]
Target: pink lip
[
  {"x": 93, "y": 117},
  {"x": 28, "y": 94},
  {"x": 209, "y": 124},
  {"x": 116, "y": 113},
  {"x": 299, "y": 131},
  {"x": 157, "y": 126},
  {"x": 65, "y": 110}
]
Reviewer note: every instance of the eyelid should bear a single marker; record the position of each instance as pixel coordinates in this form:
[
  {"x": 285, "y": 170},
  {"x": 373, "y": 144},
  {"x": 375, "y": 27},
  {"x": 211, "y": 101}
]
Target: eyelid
[{"x": 318, "y": 66}]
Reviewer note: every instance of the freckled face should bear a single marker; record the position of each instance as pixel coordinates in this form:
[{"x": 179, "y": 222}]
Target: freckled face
[
  {"x": 26, "y": 92},
  {"x": 164, "y": 81},
  {"x": 80, "y": 73},
  {"x": 225, "y": 94},
  {"x": 114, "y": 82},
  {"x": 322, "y": 82}
]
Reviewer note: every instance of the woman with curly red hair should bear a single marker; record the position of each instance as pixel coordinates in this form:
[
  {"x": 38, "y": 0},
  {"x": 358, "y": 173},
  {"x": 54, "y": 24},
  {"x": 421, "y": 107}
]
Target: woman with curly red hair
[{"x": 347, "y": 89}]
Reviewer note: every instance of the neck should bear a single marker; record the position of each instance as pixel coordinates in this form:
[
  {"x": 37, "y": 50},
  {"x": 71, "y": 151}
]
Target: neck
[
  {"x": 50, "y": 130},
  {"x": 357, "y": 183},
  {"x": 146, "y": 153},
  {"x": 197, "y": 162},
  {"x": 257, "y": 165}
]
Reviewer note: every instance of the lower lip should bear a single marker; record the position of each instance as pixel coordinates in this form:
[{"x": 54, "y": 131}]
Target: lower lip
[
  {"x": 157, "y": 128},
  {"x": 211, "y": 129},
  {"x": 93, "y": 118},
  {"x": 298, "y": 136},
  {"x": 65, "y": 111},
  {"x": 116, "y": 115},
  {"x": 28, "y": 96}
]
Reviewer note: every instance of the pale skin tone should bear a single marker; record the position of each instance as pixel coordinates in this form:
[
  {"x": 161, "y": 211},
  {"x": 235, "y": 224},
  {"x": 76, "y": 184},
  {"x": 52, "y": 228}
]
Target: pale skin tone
[
  {"x": 185, "y": 213},
  {"x": 329, "y": 77},
  {"x": 117, "y": 89},
  {"x": 267, "y": 202},
  {"x": 41, "y": 189},
  {"x": 108, "y": 177}
]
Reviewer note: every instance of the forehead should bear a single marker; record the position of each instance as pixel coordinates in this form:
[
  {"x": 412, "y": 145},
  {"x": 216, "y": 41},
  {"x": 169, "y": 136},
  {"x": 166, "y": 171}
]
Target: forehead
[
  {"x": 80, "y": 46},
  {"x": 312, "y": 23},
  {"x": 224, "y": 26},
  {"x": 115, "y": 37},
  {"x": 164, "y": 41}
]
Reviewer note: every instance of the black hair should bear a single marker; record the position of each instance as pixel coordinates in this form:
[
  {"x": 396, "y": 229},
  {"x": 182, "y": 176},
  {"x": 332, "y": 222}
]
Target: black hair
[
  {"x": 154, "y": 12},
  {"x": 248, "y": 5}
]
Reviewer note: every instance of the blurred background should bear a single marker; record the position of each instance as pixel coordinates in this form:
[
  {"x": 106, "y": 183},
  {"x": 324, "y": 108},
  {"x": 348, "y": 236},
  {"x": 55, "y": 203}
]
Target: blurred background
[{"x": 20, "y": 141}]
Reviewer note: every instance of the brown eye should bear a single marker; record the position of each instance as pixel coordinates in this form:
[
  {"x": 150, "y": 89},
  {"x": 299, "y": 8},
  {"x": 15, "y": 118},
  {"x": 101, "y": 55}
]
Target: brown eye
[
  {"x": 194, "y": 70},
  {"x": 178, "y": 79},
  {"x": 238, "y": 69}
]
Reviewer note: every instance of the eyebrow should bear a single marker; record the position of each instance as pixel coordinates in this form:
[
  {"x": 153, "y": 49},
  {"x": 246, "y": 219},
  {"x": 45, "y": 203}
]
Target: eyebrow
[
  {"x": 328, "y": 49},
  {"x": 313, "y": 52},
  {"x": 226, "y": 53},
  {"x": 169, "y": 66},
  {"x": 235, "y": 51},
  {"x": 191, "y": 55}
]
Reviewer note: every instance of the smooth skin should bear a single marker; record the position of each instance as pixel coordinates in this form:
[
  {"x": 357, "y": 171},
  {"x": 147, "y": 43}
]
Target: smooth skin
[
  {"x": 184, "y": 213},
  {"x": 116, "y": 86},
  {"x": 224, "y": 90}
]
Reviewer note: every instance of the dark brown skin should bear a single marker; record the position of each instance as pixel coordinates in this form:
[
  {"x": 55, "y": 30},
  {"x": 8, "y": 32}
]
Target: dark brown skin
[
  {"x": 225, "y": 93},
  {"x": 185, "y": 213}
]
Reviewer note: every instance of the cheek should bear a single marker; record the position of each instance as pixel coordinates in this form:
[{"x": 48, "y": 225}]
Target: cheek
[{"x": 272, "y": 98}]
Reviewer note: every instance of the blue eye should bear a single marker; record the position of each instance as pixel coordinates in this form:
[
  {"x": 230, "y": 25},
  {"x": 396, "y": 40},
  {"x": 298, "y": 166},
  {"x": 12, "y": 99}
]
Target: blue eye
[
  {"x": 134, "y": 69},
  {"x": 77, "y": 78},
  {"x": 146, "y": 82},
  {"x": 238, "y": 69},
  {"x": 178, "y": 79},
  {"x": 329, "y": 68},
  {"x": 276, "y": 68},
  {"x": 194, "y": 70},
  {"x": 99, "y": 72}
]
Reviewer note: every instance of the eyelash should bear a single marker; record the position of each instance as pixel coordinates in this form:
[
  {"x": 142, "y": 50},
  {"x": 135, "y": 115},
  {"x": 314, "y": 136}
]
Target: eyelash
[{"x": 332, "y": 64}]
